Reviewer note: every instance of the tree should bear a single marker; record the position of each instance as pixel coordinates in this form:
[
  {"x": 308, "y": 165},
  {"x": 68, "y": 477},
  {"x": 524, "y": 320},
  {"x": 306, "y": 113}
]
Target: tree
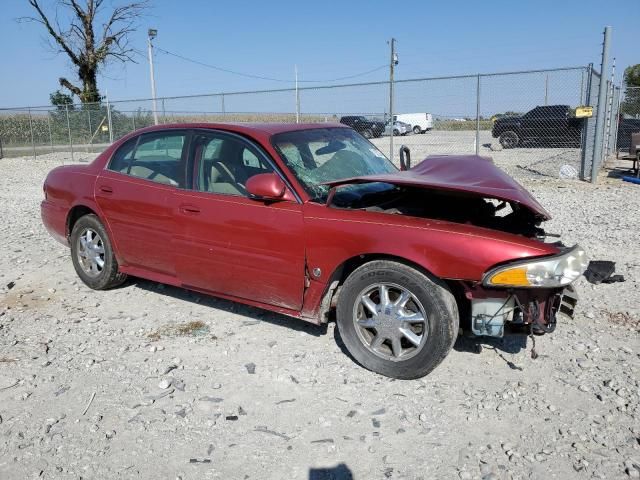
[
  {"x": 90, "y": 38},
  {"x": 61, "y": 100},
  {"x": 631, "y": 104}
]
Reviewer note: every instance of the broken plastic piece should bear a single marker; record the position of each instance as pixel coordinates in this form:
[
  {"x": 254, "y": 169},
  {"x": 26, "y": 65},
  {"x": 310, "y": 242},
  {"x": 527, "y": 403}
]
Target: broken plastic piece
[
  {"x": 599, "y": 270},
  {"x": 613, "y": 279}
]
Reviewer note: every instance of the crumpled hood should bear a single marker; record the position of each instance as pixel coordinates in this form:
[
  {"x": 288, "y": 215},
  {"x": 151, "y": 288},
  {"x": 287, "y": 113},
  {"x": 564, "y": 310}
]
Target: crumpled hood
[{"x": 461, "y": 173}]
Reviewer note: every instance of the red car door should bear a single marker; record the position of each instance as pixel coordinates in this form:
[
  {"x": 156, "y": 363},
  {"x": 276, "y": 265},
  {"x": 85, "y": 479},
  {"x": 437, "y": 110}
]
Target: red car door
[
  {"x": 135, "y": 193},
  {"x": 228, "y": 243}
]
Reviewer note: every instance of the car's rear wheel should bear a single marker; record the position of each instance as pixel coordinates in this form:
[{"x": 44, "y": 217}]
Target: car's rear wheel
[
  {"x": 396, "y": 132},
  {"x": 396, "y": 320},
  {"x": 417, "y": 129},
  {"x": 92, "y": 254},
  {"x": 509, "y": 139}
]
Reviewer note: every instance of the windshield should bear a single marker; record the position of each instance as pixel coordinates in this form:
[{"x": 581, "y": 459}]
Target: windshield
[{"x": 328, "y": 154}]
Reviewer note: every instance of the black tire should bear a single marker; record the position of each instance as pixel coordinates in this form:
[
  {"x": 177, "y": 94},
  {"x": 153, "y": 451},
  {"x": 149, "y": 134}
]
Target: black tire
[
  {"x": 509, "y": 139},
  {"x": 439, "y": 305},
  {"x": 417, "y": 129},
  {"x": 396, "y": 132},
  {"x": 108, "y": 276},
  {"x": 367, "y": 134}
]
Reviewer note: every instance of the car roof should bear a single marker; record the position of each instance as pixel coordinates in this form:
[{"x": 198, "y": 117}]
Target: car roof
[{"x": 247, "y": 128}]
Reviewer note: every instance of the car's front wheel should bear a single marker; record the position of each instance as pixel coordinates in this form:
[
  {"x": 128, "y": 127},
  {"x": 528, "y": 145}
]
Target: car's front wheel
[
  {"x": 417, "y": 130},
  {"x": 367, "y": 133},
  {"x": 92, "y": 254},
  {"x": 396, "y": 320}
]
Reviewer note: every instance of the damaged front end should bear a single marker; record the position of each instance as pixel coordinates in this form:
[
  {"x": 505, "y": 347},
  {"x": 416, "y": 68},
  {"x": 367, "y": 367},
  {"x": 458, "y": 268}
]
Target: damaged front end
[
  {"x": 526, "y": 294},
  {"x": 523, "y": 294}
]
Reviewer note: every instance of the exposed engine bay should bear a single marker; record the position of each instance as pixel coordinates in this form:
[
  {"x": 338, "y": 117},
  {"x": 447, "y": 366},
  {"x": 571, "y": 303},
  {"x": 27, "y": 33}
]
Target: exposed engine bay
[{"x": 452, "y": 206}]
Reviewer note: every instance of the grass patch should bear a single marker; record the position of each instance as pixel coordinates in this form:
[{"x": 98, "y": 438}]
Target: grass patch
[{"x": 195, "y": 329}]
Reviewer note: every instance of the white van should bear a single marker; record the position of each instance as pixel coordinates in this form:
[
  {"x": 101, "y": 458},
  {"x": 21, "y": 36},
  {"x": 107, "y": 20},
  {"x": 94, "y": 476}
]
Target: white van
[{"x": 420, "y": 122}]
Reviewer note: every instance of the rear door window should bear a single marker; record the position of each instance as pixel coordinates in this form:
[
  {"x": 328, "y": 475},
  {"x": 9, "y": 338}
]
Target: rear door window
[{"x": 156, "y": 156}]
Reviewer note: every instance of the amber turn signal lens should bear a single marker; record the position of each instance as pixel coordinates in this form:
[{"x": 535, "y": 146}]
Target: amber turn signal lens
[{"x": 516, "y": 277}]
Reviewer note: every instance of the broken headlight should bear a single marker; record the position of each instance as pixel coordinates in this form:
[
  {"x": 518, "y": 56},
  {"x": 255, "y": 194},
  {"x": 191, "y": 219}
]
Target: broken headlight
[{"x": 548, "y": 272}]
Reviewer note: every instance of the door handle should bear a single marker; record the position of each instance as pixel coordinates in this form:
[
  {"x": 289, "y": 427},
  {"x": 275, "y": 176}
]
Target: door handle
[
  {"x": 106, "y": 189},
  {"x": 189, "y": 209}
]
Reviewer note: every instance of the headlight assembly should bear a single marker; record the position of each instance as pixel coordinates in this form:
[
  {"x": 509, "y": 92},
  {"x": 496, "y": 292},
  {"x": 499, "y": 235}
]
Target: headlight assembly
[{"x": 548, "y": 272}]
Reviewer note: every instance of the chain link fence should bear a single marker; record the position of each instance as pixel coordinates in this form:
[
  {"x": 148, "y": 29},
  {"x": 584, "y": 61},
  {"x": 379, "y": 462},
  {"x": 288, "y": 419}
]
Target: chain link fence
[{"x": 525, "y": 120}]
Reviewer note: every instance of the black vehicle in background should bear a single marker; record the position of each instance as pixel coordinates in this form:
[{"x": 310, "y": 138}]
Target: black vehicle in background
[
  {"x": 626, "y": 127},
  {"x": 547, "y": 126},
  {"x": 365, "y": 127}
]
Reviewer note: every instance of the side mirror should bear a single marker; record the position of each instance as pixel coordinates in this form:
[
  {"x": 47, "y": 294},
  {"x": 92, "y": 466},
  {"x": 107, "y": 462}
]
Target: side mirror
[
  {"x": 405, "y": 163},
  {"x": 266, "y": 186}
]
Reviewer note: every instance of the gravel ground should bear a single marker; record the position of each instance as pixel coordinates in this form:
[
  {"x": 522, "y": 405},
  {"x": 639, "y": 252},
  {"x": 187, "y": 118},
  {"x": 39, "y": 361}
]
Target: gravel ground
[{"x": 150, "y": 381}]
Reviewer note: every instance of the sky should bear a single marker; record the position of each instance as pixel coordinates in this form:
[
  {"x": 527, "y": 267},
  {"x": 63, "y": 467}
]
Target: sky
[{"x": 334, "y": 39}]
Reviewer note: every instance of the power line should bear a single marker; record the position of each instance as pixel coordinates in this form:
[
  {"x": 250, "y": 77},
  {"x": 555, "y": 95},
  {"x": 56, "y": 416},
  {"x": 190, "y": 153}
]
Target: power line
[{"x": 262, "y": 77}]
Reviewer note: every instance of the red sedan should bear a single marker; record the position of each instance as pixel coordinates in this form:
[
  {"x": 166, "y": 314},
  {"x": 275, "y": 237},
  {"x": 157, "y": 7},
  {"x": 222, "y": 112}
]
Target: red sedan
[{"x": 312, "y": 221}]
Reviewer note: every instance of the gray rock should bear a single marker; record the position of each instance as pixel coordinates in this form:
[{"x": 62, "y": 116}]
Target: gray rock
[{"x": 165, "y": 383}]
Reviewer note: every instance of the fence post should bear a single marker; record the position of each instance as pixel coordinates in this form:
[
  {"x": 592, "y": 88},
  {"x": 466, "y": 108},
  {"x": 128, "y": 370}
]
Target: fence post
[
  {"x": 598, "y": 152},
  {"x": 617, "y": 120},
  {"x": 584, "y": 154},
  {"x": 610, "y": 94},
  {"x": 222, "y": 104},
  {"x": 66, "y": 108},
  {"x": 478, "y": 115},
  {"x": 109, "y": 123},
  {"x": 33, "y": 143},
  {"x": 50, "y": 134},
  {"x": 164, "y": 113},
  {"x": 90, "y": 127},
  {"x": 133, "y": 119}
]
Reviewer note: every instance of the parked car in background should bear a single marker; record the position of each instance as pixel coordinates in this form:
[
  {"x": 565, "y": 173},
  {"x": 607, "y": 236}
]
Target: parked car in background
[
  {"x": 399, "y": 128},
  {"x": 364, "y": 126},
  {"x": 420, "y": 122},
  {"x": 547, "y": 126},
  {"x": 313, "y": 221}
]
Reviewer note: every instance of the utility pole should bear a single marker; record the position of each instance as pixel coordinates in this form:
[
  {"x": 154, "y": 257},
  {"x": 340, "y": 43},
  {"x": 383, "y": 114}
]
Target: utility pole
[
  {"x": 546, "y": 89},
  {"x": 297, "y": 96},
  {"x": 392, "y": 64},
  {"x": 152, "y": 33}
]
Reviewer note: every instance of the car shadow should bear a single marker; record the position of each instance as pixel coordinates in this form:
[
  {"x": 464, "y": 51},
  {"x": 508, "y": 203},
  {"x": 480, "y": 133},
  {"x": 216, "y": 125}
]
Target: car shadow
[
  {"x": 339, "y": 472},
  {"x": 253, "y": 313},
  {"x": 511, "y": 344},
  {"x": 619, "y": 172}
]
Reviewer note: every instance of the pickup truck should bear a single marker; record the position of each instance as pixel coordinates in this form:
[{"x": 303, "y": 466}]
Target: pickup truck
[
  {"x": 544, "y": 126},
  {"x": 365, "y": 127}
]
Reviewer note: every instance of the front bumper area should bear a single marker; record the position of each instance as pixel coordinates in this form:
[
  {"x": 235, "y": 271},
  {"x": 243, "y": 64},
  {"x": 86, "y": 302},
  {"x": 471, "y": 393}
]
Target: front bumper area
[{"x": 496, "y": 312}]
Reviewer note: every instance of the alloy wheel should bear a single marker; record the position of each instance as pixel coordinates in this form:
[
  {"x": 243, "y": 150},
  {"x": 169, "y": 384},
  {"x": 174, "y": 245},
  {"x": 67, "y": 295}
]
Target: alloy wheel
[
  {"x": 390, "y": 321},
  {"x": 90, "y": 252}
]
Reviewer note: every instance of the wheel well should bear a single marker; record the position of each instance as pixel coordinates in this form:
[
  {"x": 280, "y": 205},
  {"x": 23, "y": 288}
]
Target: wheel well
[
  {"x": 345, "y": 269},
  {"x": 75, "y": 214},
  {"x": 348, "y": 266}
]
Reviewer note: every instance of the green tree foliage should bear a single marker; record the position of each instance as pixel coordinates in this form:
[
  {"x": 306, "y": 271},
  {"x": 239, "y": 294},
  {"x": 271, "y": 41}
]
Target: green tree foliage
[{"x": 61, "y": 100}]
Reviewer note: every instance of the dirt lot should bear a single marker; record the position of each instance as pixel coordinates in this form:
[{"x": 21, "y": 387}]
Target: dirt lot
[{"x": 150, "y": 381}]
